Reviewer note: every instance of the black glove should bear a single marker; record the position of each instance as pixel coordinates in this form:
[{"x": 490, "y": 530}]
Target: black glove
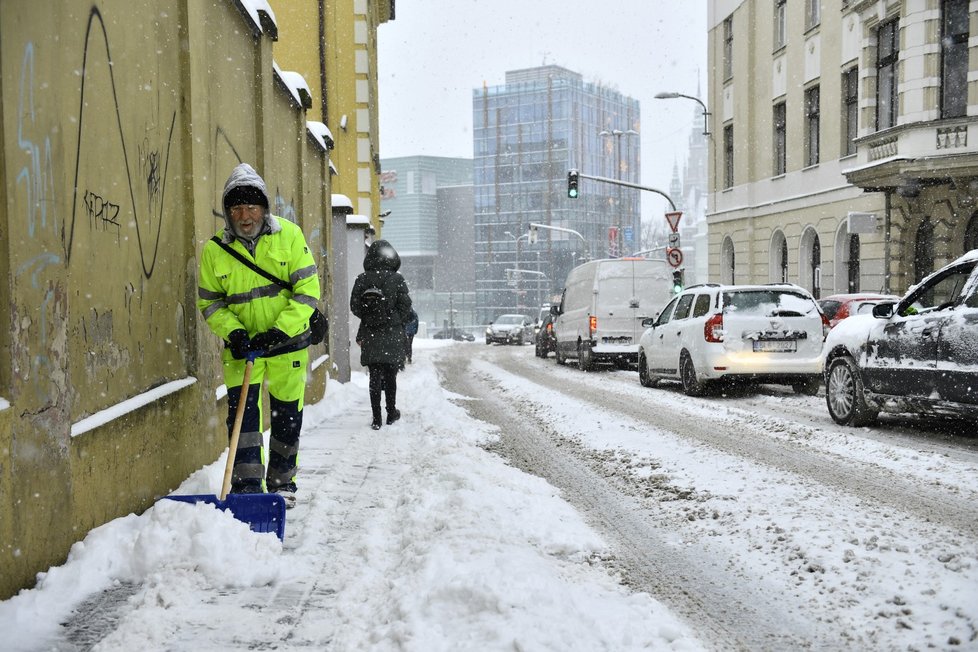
[
  {"x": 238, "y": 339},
  {"x": 265, "y": 342}
]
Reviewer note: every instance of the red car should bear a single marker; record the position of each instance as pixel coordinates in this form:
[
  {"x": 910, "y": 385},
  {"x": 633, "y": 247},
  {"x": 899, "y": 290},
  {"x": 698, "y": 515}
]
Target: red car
[{"x": 839, "y": 306}]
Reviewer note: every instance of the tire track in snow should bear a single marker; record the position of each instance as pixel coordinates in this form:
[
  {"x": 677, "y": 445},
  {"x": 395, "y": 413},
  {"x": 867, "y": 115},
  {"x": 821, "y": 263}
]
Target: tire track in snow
[{"x": 739, "y": 438}]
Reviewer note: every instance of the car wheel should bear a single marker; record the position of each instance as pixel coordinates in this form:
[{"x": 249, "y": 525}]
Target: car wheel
[
  {"x": 585, "y": 361},
  {"x": 643, "y": 372},
  {"x": 844, "y": 394},
  {"x": 519, "y": 341},
  {"x": 808, "y": 387},
  {"x": 558, "y": 355},
  {"x": 488, "y": 342},
  {"x": 692, "y": 384}
]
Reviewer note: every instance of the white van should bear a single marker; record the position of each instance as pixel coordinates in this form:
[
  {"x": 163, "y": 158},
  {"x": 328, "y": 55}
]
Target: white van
[{"x": 599, "y": 318}]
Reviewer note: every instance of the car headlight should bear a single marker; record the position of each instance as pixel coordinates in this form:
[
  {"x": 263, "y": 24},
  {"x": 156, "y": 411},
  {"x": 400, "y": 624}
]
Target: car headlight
[{"x": 488, "y": 331}]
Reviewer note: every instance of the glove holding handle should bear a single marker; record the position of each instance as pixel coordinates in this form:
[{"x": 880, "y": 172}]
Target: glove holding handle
[{"x": 239, "y": 343}]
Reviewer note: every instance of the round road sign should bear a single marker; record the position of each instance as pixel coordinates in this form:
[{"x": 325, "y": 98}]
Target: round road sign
[{"x": 674, "y": 256}]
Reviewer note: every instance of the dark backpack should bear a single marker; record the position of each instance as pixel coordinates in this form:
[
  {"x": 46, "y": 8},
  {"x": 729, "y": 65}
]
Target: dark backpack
[{"x": 375, "y": 308}]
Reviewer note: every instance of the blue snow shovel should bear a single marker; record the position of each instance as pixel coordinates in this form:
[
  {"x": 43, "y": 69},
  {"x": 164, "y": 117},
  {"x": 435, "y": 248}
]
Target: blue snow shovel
[{"x": 262, "y": 512}]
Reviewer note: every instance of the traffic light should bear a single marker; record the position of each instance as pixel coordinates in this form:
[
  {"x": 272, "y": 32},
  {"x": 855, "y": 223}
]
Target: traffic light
[
  {"x": 572, "y": 181},
  {"x": 677, "y": 281}
]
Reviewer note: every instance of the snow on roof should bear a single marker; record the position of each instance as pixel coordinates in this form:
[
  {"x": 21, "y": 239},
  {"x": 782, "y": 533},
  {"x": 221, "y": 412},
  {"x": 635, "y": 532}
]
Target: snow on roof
[
  {"x": 876, "y": 163},
  {"x": 332, "y": 168},
  {"x": 296, "y": 84},
  {"x": 357, "y": 219},
  {"x": 255, "y": 8},
  {"x": 321, "y": 133},
  {"x": 337, "y": 201}
]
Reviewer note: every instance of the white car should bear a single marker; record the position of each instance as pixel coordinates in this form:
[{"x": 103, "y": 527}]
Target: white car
[
  {"x": 756, "y": 333},
  {"x": 510, "y": 329}
]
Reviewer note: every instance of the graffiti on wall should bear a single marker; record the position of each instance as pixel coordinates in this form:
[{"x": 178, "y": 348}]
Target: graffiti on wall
[
  {"x": 115, "y": 188},
  {"x": 151, "y": 163}
]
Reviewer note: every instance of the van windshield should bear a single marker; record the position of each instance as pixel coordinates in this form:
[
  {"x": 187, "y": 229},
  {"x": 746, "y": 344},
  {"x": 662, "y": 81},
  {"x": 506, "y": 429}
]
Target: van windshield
[{"x": 768, "y": 303}]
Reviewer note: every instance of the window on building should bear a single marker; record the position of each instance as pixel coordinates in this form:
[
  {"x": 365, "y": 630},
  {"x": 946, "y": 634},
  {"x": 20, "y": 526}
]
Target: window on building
[
  {"x": 811, "y": 125},
  {"x": 853, "y": 263},
  {"x": 954, "y": 58},
  {"x": 971, "y": 233},
  {"x": 728, "y": 157},
  {"x": 850, "y": 110},
  {"x": 780, "y": 33},
  {"x": 728, "y": 48},
  {"x": 923, "y": 251},
  {"x": 816, "y": 267},
  {"x": 813, "y": 13},
  {"x": 784, "y": 260},
  {"x": 780, "y": 139},
  {"x": 779, "y": 258},
  {"x": 887, "y": 54},
  {"x": 728, "y": 261}
]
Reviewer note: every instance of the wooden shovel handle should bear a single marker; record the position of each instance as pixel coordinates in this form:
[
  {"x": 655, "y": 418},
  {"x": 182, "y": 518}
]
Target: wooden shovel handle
[{"x": 236, "y": 430}]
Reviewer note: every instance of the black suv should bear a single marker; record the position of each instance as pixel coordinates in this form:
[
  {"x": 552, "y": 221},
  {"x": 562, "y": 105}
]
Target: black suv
[{"x": 917, "y": 355}]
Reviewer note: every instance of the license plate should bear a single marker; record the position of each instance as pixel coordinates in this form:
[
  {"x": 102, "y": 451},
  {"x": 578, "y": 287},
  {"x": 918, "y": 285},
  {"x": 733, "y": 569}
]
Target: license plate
[
  {"x": 617, "y": 340},
  {"x": 775, "y": 346}
]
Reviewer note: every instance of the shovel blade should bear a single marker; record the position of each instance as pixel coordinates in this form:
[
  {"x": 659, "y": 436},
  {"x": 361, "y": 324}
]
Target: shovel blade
[{"x": 262, "y": 512}]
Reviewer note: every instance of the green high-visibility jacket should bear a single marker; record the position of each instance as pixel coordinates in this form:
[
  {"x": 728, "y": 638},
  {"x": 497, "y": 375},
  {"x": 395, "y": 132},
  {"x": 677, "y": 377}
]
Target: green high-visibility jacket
[{"x": 232, "y": 296}]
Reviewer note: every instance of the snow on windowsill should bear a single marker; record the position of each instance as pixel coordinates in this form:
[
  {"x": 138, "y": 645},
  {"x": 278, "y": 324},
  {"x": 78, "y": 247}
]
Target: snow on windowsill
[{"x": 129, "y": 405}]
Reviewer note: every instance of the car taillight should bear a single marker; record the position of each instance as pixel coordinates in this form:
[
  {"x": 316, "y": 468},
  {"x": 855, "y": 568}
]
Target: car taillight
[
  {"x": 593, "y": 324},
  {"x": 713, "y": 328},
  {"x": 826, "y": 326}
]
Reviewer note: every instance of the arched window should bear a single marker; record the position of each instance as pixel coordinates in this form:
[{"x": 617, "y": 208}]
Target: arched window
[
  {"x": 923, "y": 251},
  {"x": 971, "y": 233},
  {"x": 727, "y": 261},
  {"x": 811, "y": 262},
  {"x": 779, "y": 258}
]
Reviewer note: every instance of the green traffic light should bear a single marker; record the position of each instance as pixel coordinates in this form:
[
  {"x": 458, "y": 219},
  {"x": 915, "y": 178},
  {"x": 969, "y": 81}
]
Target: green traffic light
[{"x": 572, "y": 193}]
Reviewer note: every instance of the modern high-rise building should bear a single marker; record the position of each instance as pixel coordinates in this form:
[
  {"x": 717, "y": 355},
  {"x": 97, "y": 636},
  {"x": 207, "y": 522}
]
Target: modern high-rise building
[{"x": 528, "y": 133}]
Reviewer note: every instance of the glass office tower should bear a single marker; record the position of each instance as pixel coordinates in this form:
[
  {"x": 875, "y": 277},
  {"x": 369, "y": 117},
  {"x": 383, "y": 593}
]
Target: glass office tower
[{"x": 527, "y": 135}]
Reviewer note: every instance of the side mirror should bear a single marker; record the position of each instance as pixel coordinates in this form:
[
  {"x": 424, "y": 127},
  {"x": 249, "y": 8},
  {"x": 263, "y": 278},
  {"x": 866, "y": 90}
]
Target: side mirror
[
  {"x": 883, "y": 310},
  {"x": 648, "y": 322}
]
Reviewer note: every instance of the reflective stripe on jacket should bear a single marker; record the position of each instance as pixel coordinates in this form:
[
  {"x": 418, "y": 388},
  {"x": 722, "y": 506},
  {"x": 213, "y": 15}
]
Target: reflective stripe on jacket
[{"x": 232, "y": 296}]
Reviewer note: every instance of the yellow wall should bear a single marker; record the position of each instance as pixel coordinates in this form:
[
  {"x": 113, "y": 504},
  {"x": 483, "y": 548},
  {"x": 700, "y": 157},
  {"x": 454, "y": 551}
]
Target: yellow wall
[
  {"x": 349, "y": 56},
  {"x": 120, "y": 123}
]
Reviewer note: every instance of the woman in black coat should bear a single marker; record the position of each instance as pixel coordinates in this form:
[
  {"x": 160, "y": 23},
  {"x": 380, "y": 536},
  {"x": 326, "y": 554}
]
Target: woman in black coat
[{"x": 381, "y": 301}]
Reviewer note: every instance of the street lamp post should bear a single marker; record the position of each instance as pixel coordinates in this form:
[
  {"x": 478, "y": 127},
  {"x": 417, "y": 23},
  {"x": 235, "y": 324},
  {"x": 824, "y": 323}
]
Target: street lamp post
[
  {"x": 516, "y": 239},
  {"x": 706, "y": 114},
  {"x": 618, "y": 133}
]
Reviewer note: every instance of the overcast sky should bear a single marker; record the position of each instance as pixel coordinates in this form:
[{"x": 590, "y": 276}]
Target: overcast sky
[{"x": 436, "y": 52}]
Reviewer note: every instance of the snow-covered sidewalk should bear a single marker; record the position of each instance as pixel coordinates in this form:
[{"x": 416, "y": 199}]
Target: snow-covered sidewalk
[{"x": 409, "y": 538}]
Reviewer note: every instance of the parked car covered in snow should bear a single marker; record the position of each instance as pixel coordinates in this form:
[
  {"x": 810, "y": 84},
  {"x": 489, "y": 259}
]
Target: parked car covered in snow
[{"x": 917, "y": 355}]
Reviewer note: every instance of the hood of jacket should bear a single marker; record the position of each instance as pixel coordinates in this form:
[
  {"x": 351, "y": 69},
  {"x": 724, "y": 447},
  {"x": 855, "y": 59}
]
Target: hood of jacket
[
  {"x": 381, "y": 256},
  {"x": 245, "y": 175}
]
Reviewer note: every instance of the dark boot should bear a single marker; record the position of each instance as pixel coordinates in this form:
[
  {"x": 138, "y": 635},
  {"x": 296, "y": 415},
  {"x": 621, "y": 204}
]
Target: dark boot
[{"x": 393, "y": 414}]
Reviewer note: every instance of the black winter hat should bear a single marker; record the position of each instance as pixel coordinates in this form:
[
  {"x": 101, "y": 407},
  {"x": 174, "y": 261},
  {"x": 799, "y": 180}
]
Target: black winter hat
[{"x": 244, "y": 195}]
